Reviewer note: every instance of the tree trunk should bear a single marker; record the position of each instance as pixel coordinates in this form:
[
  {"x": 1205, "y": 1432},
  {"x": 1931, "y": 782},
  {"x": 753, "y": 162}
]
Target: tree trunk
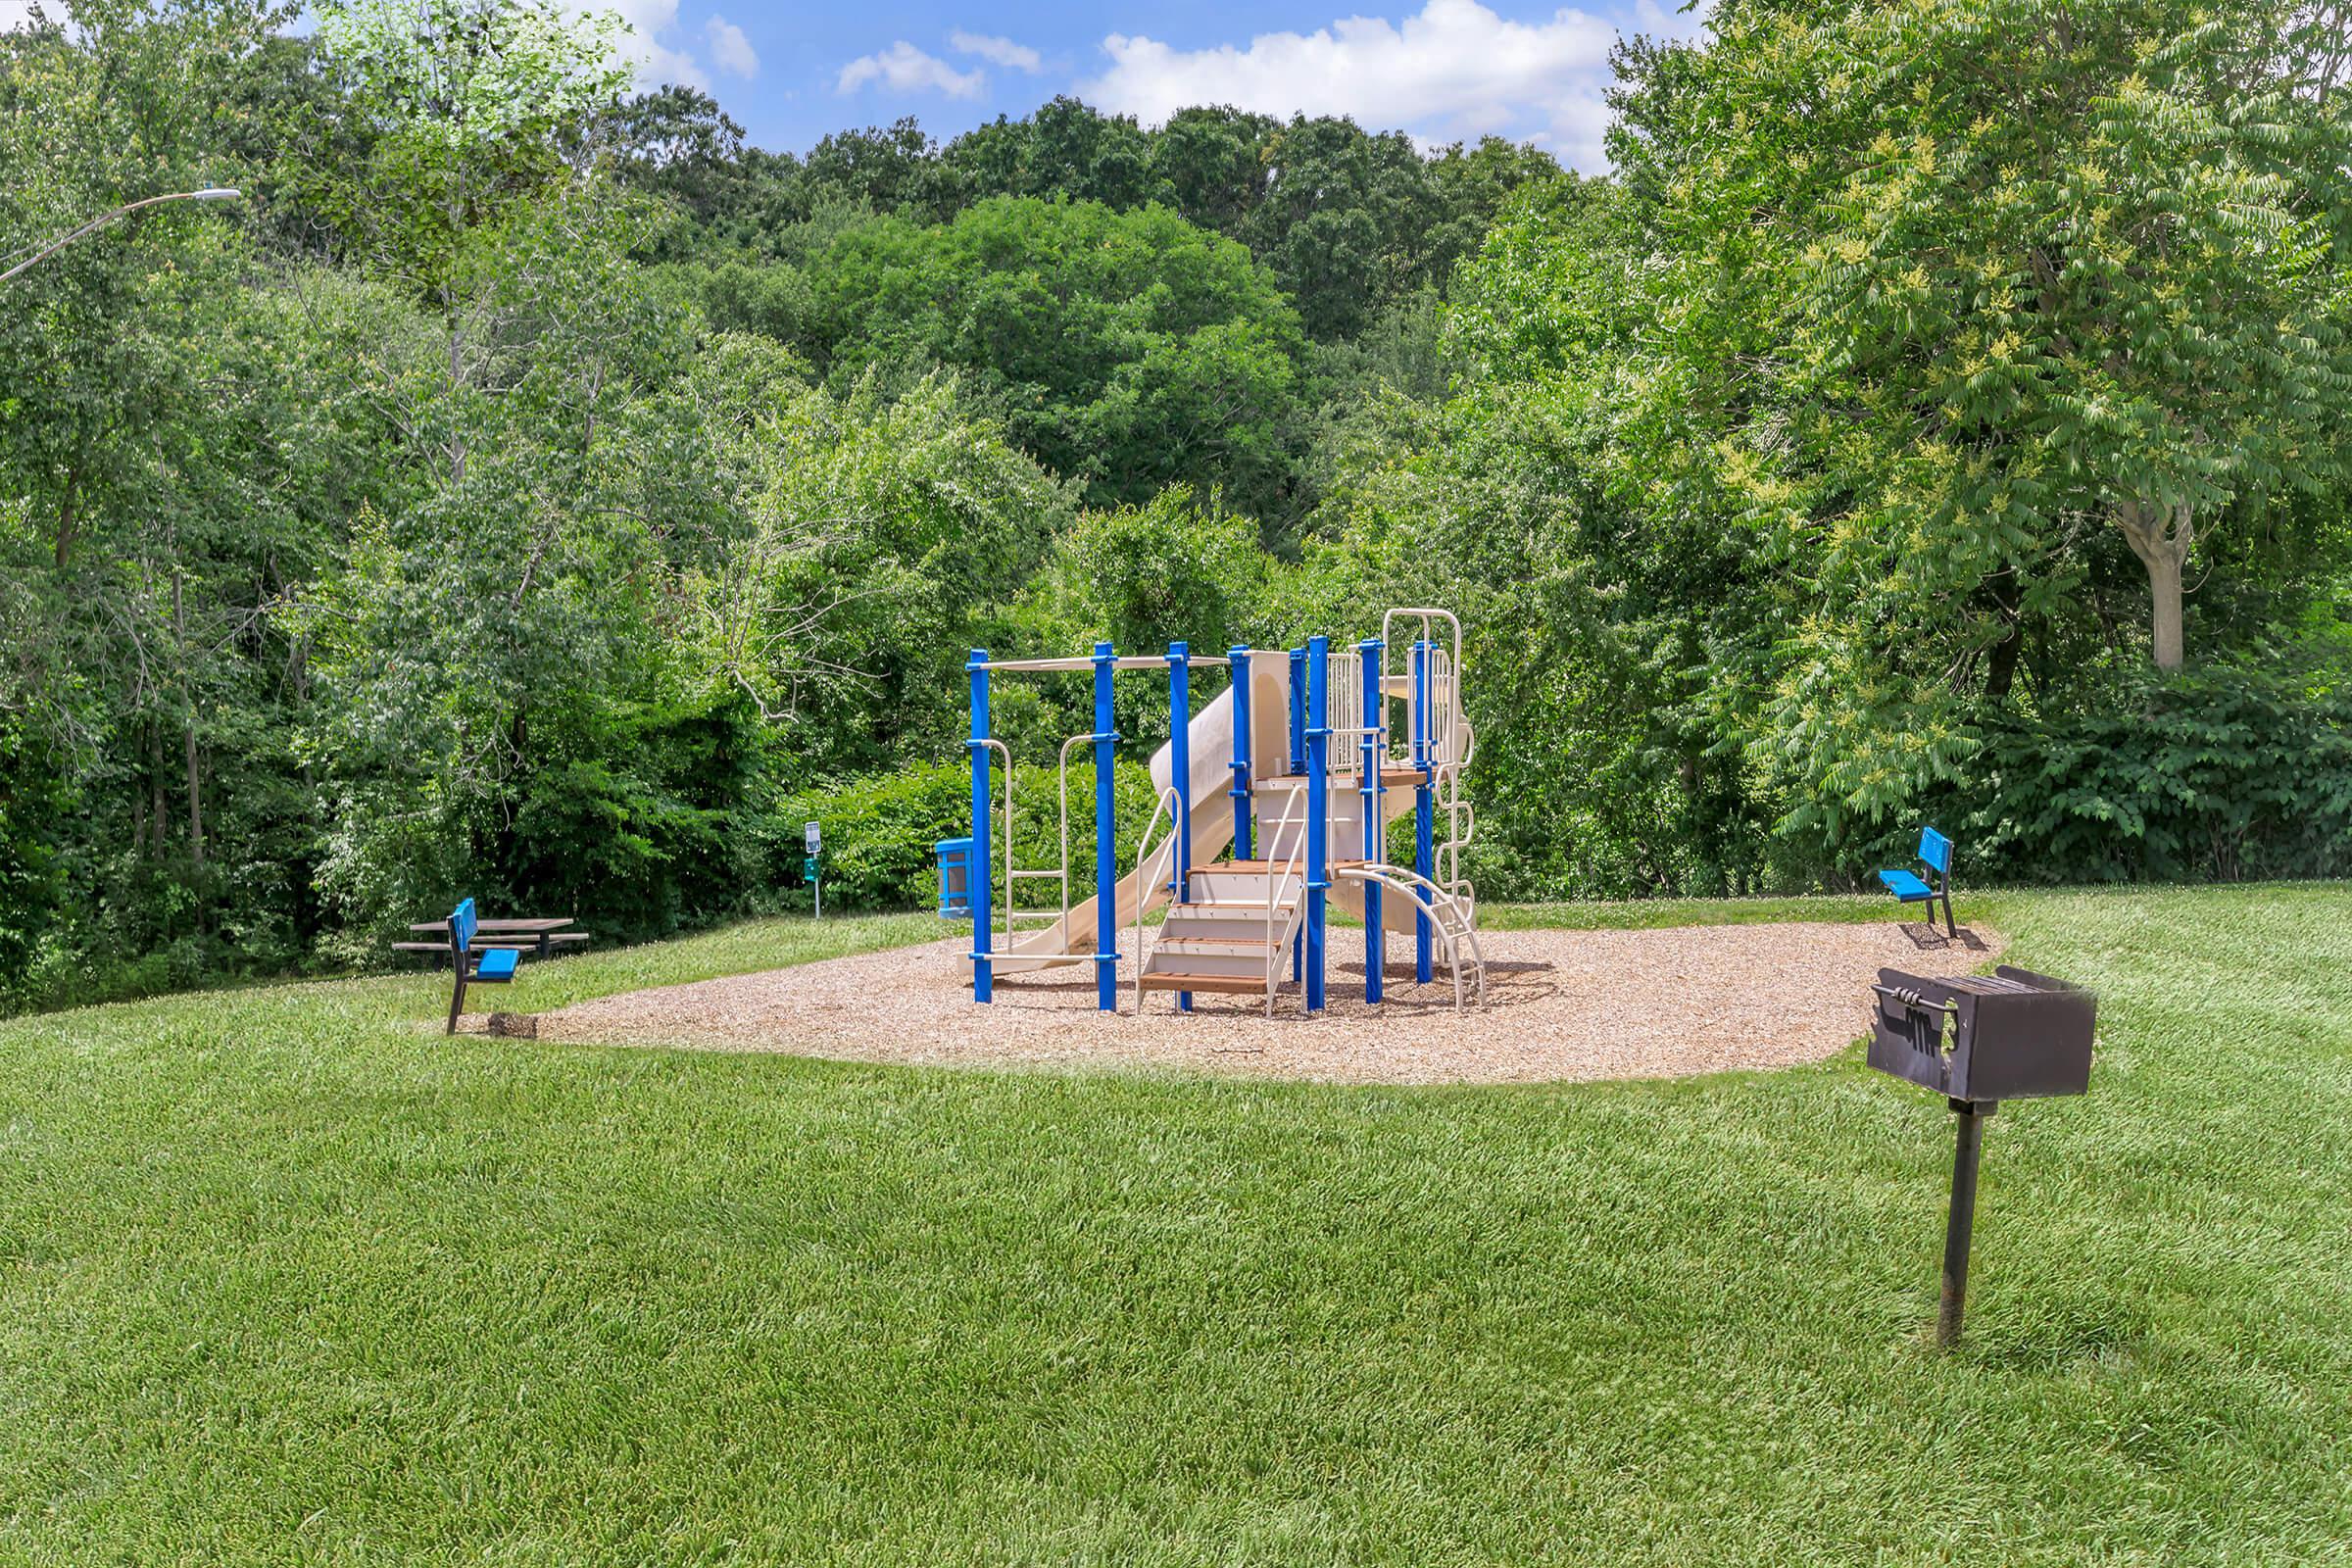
[
  {"x": 66, "y": 521},
  {"x": 155, "y": 785},
  {"x": 187, "y": 729},
  {"x": 2160, "y": 536},
  {"x": 2001, "y": 673},
  {"x": 195, "y": 800}
]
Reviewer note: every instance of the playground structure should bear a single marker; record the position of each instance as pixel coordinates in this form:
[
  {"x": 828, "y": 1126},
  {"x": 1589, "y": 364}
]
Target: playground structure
[{"x": 1264, "y": 771}]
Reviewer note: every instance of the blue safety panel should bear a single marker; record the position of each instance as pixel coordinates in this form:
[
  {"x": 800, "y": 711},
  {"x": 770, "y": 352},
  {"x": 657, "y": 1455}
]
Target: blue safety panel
[
  {"x": 462, "y": 924},
  {"x": 1936, "y": 850},
  {"x": 1906, "y": 887},
  {"x": 954, "y": 878},
  {"x": 497, "y": 964}
]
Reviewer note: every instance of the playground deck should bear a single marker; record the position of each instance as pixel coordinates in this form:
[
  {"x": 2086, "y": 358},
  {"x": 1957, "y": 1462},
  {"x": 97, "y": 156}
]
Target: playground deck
[{"x": 1563, "y": 1006}]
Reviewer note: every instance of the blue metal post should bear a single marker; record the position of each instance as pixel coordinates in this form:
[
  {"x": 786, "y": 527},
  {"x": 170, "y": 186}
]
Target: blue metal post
[
  {"x": 1375, "y": 811},
  {"x": 983, "y": 975},
  {"x": 1425, "y": 809},
  {"x": 1240, "y": 658},
  {"x": 1180, "y": 774},
  {"x": 1297, "y": 768},
  {"x": 1318, "y": 811},
  {"x": 1107, "y": 835}
]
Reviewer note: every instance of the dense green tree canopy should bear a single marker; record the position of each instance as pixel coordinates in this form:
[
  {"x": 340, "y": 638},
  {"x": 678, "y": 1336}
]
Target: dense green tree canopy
[
  {"x": 531, "y": 491},
  {"x": 1130, "y": 350}
]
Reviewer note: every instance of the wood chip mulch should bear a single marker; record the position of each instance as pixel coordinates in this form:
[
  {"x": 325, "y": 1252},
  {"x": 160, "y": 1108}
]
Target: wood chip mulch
[{"x": 1561, "y": 1005}]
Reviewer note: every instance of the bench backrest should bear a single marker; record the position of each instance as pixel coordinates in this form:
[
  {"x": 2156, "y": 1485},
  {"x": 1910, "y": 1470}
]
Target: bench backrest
[
  {"x": 462, "y": 924},
  {"x": 1937, "y": 851}
]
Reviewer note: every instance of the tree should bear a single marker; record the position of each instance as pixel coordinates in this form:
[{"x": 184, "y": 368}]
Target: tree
[
  {"x": 679, "y": 142},
  {"x": 879, "y": 540},
  {"x": 1065, "y": 149},
  {"x": 159, "y": 424},
  {"x": 1128, "y": 350},
  {"x": 2037, "y": 264},
  {"x": 894, "y": 169},
  {"x": 1215, "y": 165},
  {"x": 468, "y": 102}
]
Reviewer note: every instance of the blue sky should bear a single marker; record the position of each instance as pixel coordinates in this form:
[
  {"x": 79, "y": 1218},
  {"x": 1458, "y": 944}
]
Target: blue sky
[{"x": 1440, "y": 68}]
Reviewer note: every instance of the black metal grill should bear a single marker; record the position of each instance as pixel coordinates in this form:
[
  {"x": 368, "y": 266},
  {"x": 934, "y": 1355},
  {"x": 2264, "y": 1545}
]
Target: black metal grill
[
  {"x": 2010, "y": 1035},
  {"x": 1979, "y": 1040}
]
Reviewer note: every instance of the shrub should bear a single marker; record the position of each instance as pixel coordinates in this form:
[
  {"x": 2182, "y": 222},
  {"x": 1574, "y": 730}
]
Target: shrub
[
  {"x": 881, "y": 832},
  {"x": 2222, "y": 773}
]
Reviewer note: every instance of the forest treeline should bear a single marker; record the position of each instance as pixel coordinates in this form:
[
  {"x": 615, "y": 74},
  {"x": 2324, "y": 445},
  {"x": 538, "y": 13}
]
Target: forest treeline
[{"x": 529, "y": 490}]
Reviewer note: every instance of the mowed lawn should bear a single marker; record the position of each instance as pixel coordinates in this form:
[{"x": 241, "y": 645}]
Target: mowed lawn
[{"x": 286, "y": 1277}]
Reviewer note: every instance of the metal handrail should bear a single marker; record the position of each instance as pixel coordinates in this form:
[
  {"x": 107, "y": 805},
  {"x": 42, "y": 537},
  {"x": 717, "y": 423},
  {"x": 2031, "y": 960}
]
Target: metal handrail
[
  {"x": 1167, "y": 799},
  {"x": 1075, "y": 740},
  {"x": 1274, "y": 884},
  {"x": 1413, "y": 884},
  {"x": 1461, "y": 824},
  {"x": 1427, "y": 618}
]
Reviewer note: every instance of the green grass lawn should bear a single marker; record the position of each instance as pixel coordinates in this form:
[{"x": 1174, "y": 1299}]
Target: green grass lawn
[{"x": 286, "y": 1277}]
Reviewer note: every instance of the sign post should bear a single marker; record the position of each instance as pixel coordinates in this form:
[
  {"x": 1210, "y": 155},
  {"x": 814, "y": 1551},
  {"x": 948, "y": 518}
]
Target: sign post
[{"x": 817, "y": 890}]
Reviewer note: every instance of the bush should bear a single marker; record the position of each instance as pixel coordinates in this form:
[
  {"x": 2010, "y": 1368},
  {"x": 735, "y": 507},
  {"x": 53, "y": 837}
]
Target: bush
[
  {"x": 881, "y": 832},
  {"x": 2225, "y": 773}
]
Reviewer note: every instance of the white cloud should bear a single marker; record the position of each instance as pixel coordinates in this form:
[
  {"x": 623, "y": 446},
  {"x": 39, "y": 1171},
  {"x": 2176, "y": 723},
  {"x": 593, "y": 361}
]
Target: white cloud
[
  {"x": 15, "y": 14},
  {"x": 642, "y": 23},
  {"x": 903, "y": 67},
  {"x": 1455, "y": 69},
  {"x": 730, "y": 51},
  {"x": 995, "y": 51}
]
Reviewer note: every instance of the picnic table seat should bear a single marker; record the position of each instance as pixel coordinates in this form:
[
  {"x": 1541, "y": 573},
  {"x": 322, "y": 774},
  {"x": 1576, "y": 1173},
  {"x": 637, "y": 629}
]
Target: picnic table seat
[{"x": 438, "y": 951}]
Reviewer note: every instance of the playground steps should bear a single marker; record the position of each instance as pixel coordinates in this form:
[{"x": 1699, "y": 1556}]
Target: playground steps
[
  {"x": 1218, "y": 939},
  {"x": 1258, "y": 869},
  {"x": 1395, "y": 778},
  {"x": 1245, "y": 886},
  {"x": 1248, "y": 985}
]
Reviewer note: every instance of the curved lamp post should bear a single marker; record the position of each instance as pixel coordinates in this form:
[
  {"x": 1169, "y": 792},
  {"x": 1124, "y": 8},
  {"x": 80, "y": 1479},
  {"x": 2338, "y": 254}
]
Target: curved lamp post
[{"x": 209, "y": 194}]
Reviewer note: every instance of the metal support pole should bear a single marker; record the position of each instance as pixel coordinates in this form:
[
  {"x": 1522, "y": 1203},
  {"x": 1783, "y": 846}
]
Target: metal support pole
[
  {"x": 976, "y": 873},
  {"x": 1960, "y": 1224},
  {"x": 1239, "y": 658},
  {"x": 1106, "y": 837},
  {"x": 1318, "y": 811},
  {"x": 1373, "y": 753},
  {"x": 1180, "y": 774},
  {"x": 1425, "y": 810}
]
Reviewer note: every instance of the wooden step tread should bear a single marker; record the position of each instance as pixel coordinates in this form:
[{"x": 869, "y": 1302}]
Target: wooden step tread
[
  {"x": 1391, "y": 777},
  {"x": 1232, "y": 985},
  {"x": 1262, "y": 867}
]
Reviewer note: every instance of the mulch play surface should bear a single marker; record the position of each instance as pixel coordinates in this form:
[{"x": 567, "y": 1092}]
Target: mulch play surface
[{"x": 1561, "y": 1005}]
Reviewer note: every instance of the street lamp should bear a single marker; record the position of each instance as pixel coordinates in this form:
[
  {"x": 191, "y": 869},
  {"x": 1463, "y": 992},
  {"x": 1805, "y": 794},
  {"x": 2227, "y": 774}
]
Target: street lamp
[{"x": 209, "y": 194}]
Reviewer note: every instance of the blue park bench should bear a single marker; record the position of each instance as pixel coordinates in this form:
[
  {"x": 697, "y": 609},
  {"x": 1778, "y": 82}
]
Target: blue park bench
[
  {"x": 1935, "y": 854},
  {"x": 489, "y": 966}
]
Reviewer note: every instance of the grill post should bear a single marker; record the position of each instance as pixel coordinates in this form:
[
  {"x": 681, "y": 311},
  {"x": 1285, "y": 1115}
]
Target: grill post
[{"x": 1959, "y": 1225}]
